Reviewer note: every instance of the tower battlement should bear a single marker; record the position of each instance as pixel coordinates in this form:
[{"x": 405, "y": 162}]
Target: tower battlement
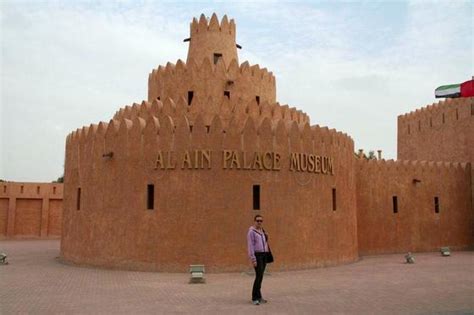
[
  {"x": 442, "y": 131},
  {"x": 205, "y": 79},
  {"x": 213, "y": 25},
  {"x": 212, "y": 40}
]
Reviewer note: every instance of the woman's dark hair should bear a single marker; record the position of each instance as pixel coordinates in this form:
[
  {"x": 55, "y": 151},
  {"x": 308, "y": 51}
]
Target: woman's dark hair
[{"x": 257, "y": 216}]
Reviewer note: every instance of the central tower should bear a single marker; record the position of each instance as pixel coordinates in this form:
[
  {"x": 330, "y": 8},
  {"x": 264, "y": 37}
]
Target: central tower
[
  {"x": 212, "y": 73},
  {"x": 212, "y": 40}
]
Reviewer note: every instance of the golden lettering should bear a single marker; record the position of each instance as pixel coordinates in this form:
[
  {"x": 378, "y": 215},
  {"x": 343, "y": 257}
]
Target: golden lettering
[
  {"x": 276, "y": 161},
  {"x": 303, "y": 162},
  {"x": 227, "y": 156},
  {"x": 267, "y": 156},
  {"x": 325, "y": 165},
  {"x": 257, "y": 159},
  {"x": 170, "y": 162},
  {"x": 206, "y": 155},
  {"x": 187, "y": 160},
  {"x": 196, "y": 159},
  {"x": 235, "y": 160},
  {"x": 318, "y": 164},
  {"x": 159, "y": 161},
  {"x": 294, "y": 162},
  {"x": 245, "y": 165},
  {"x": 311, "y": 163}
]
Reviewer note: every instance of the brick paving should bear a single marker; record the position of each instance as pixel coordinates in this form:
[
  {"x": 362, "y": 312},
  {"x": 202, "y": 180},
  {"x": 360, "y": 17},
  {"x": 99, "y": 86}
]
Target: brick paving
[{"x": 35, "y": 282}]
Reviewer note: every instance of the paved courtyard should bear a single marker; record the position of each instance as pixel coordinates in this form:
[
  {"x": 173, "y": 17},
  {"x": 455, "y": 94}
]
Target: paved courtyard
[{"x": 35, "y": 282}]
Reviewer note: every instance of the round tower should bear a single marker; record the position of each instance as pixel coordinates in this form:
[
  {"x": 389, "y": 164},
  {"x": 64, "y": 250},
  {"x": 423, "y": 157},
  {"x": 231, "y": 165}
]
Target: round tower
[
  {"x": 212, "y": 40},
  {"x": 210, "y": 149}
]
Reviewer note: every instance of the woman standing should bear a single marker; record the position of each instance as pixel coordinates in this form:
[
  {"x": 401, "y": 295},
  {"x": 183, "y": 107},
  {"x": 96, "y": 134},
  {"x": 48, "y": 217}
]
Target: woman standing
[{"x": 258, "y": 251}]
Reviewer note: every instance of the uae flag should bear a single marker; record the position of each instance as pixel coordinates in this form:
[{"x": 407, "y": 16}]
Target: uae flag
[{"x": 465, "y": 89}]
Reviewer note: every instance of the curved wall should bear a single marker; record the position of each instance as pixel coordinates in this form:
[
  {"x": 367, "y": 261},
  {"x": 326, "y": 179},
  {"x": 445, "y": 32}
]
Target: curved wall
[
  {"x": 209, "y": 80},
  {"x": 202, "y": 215},
  {"x": 227, "y": 110}
]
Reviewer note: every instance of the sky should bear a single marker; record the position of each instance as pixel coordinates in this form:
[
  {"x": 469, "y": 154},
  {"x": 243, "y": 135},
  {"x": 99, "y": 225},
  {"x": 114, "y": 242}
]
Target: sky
[{"x": 353, "y": 66}]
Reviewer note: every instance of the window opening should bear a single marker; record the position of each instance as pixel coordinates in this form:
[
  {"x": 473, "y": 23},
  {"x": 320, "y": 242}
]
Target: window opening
[
  {"x": 334, "y": 199},
  {"x": 436, "y": 204},
  {"x": 256, "y": 197},
  {"x": 227, "y": 94},
  {"x": 78, "y": 205},
  {"x": 395, "y": 204},
  {"x": 257, "y": 98},
  {"x": 217, "y": 57},
  {"x": 190, "y": 97},
  {"x": 150, "y": 200}
]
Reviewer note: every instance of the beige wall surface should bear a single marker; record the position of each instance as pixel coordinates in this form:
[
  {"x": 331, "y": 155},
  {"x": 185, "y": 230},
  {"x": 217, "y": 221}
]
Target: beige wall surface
[
  {"x": 416, "y": 226},
  {"x": 30, "y": 210},
  {"x": 3, "y": 216},
  {"x": 202, "y": 215},
  {"x": 439, "y": 132},
  {"x": 55, "y": 217},
  {"x": 28, "y": 217}
]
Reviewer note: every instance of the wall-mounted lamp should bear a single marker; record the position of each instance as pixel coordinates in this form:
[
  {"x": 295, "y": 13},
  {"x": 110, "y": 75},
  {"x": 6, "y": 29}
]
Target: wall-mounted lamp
[
  {"x": 108, "y": 155},
  {"x": 187, "y": 39}
]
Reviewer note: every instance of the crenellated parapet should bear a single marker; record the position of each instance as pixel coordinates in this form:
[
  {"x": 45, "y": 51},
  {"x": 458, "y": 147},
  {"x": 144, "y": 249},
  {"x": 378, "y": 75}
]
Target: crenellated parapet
[
  {"x": 213, "y": 25},
  {"x": 208, "y": 79},
  {"x": 227, "y": 109},
  {"x": 212, "y": 40},
  {"x": 439, "y": 132},
  {"x": 177, "y": 133},
  {"x": 435, "y": 116},
  {"x": 385, "y": 167}
]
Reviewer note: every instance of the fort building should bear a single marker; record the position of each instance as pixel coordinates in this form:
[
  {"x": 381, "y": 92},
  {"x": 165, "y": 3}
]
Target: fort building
[{"x": 177, "y": 179}]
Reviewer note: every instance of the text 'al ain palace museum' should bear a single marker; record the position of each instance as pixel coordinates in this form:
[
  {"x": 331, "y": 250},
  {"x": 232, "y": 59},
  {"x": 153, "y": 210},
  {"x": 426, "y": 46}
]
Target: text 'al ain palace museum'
[{"x": 177, "y": 179}]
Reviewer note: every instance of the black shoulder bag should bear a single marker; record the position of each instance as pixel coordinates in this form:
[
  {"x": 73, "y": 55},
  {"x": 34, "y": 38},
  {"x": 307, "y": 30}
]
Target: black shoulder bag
[{"x": 268, "y": 255}]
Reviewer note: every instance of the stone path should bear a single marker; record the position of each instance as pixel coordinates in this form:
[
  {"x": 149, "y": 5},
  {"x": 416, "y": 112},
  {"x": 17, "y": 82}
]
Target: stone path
[{"x": 36, "y": 283}]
